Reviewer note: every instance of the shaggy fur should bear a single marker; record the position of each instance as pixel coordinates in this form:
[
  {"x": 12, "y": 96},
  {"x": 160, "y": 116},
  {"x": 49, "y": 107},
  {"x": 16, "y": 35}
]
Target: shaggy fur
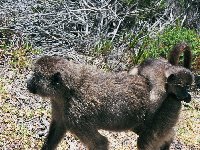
[
  {"x": 85, "y": 99},
  {"x": 178, "y": 79},
  {"x": 157, "y": 72}
]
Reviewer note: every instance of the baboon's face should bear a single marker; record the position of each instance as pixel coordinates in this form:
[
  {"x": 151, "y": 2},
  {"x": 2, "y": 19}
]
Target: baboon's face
[
  {"x": 44, "y": 85},
  {"x": 179, "y": 84}
]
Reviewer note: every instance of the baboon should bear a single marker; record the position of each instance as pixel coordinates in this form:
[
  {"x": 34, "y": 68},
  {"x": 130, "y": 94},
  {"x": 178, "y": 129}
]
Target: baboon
[
  {"x": 85, "y": 99},
  {"x": 161, "y": 127},
  {"x": 158, "y": 70}
]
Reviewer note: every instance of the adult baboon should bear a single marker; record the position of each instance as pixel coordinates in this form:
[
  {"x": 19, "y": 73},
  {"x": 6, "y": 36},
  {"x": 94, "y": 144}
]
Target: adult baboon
[{"x": 85, "y": 99}]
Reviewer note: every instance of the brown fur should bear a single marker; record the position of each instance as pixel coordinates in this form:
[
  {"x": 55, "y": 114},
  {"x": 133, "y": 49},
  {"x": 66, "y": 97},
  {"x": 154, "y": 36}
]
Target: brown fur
[
  {"x": 85, "y": 99},
  {"x": 159, "y": 134},
  {"x": 159, "y": 72}
]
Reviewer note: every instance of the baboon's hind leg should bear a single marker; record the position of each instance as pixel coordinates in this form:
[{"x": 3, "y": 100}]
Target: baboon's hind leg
[{"x": 92, "y": 139}]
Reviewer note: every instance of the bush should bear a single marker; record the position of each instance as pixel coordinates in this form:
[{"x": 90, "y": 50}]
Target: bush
[
  {"x": 171, "y": 36},
  {"x": 163, "y": 43}
]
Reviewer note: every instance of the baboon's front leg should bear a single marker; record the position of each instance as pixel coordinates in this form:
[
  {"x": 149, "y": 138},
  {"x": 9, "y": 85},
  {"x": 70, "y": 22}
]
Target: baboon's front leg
[
  {"x": 56, "y": 132},
  {"x": 92, "y": 139},
  {"x": 157, "y": 96}
]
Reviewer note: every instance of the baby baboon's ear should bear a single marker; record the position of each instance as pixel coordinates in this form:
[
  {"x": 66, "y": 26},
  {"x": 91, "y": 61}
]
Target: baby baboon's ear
[{"x": 56, "y": 78}]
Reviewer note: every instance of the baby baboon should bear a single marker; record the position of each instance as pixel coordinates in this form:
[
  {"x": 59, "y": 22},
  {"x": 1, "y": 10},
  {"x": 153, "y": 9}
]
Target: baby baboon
[
  {"x": 85, "y": 99},
  {"x": 161, "y": 126},
  {"x": 158, "y": 71},
  {"x": 161, "y": 75}
]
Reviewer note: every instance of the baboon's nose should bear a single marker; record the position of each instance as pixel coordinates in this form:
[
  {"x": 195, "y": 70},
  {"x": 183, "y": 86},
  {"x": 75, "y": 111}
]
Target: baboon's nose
[
  {"x": 31, "y": 87},
  {"x": 187, "y": 99}
]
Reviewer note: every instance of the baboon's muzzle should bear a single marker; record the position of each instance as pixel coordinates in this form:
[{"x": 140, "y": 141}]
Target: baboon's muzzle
[
  {"x": 187, "y": 99},
  {"x": 31, "y": 87}
]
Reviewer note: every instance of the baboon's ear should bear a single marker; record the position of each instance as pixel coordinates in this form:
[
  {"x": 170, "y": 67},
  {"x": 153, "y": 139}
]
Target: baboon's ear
[
  {"x": 56, "y": 78},
  {"x": 171, "y": 78}
]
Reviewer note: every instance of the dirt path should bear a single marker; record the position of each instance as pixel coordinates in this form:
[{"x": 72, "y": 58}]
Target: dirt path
[{"x": 25, "y": 121}]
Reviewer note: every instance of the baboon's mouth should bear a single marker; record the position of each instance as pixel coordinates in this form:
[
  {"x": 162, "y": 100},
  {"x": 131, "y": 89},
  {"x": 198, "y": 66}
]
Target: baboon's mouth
[
  {"x": 185, "y": 99},
  {"x": 188, "y": 99},
  {"x": 31, "y": 89}
]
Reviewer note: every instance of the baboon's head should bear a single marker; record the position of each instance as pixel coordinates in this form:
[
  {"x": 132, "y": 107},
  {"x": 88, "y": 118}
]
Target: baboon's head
[
  {"x": 46, "y": 79},
  {"x": 179, "y": 82}
]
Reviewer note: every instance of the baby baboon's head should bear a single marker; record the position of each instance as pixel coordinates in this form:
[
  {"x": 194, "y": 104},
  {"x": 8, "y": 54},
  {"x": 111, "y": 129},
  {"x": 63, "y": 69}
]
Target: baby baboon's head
[
  {"x": 179, "y": 82},
  {"x": 46, "y": 79}
]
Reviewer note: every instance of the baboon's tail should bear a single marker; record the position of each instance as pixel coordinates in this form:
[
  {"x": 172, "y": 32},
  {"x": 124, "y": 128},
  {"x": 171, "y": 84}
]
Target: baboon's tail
[{"x": 175, "y": 53}]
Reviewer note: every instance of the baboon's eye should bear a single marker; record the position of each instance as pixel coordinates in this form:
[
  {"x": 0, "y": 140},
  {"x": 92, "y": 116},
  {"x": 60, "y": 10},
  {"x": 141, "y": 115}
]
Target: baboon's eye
[
  {"x": 180, "y": 84},
  {"x": 187, "y": 86},
  {"x": 171, "y": 78},
  {"x": 56, "y": 78},
  {"x": 38, "y": 75}
]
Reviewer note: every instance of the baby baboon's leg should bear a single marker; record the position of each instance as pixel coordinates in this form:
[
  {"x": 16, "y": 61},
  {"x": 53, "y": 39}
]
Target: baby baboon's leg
[
  {"x": 56, "y": 132},
  {"x": 157, "y": 96},
  {"x": 155, "y": 141},
  {"x": 160, "y": 132},
  {"x": 92, "y": 139}
]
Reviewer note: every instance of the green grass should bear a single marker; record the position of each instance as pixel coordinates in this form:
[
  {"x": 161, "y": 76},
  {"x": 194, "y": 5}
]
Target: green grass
[
  {"x": 16, "y": 134},
  {"x": 3, "y": 91},
  {"x": 160, "y": 45}
]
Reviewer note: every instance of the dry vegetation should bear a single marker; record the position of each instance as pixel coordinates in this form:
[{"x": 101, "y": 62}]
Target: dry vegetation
[{"x": 98, "y": 32}]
